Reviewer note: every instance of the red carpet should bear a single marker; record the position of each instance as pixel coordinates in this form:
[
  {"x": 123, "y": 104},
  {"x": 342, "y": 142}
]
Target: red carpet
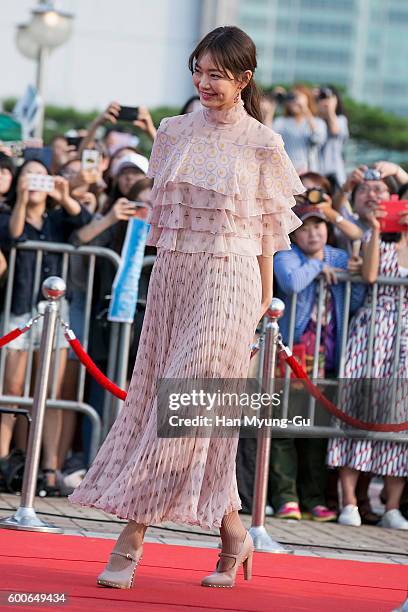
[{"x": 169, "y": 579}]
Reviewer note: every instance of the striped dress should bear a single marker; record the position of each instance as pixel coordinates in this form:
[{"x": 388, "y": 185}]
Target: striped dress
[{"x": 379, "y": 457}]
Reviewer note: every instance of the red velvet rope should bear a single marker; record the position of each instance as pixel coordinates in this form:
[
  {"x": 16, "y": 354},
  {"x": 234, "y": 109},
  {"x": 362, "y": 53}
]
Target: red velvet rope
[
  {"x": 299, "y": 372},
  {"x": 93, "y": 369},
  {"x": 12, "y": 336}
]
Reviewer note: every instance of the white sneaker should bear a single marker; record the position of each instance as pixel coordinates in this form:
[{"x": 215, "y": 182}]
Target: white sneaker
[
  {"x": 393, "y": 519},
  {"x": 350, "y": 516}
]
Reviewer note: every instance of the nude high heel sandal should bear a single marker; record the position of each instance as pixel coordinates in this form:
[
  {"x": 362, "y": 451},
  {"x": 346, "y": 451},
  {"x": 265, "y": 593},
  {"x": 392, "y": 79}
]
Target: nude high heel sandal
[
  {"x": 227, "y": 578},
  {"x": 122, "y": 579}
]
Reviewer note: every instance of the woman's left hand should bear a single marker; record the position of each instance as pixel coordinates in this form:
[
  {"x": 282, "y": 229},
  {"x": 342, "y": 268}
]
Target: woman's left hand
[{"x": 264, "y": 307}]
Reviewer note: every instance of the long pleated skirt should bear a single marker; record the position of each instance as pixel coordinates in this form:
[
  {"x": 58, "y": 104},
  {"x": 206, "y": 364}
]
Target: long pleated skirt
[{"x": 200, "y": 319}]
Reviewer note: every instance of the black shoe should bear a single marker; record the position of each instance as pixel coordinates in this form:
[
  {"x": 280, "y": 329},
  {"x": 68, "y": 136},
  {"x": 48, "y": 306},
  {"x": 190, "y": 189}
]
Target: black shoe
[
  {"x": 49, "y": 490},
  {"x": 368, "y": 517}
]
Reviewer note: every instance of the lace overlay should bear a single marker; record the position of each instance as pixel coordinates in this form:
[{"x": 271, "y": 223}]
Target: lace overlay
[{"x": 223, "y": 184}]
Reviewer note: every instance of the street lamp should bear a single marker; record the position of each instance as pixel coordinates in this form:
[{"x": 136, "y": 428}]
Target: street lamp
[{"x": 49, "y": 28}]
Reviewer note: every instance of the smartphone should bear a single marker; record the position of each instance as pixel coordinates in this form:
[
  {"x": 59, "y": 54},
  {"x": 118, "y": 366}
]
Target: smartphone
[
  {"x": 90, "y": 160},
  {"x": 42, "y": 154},
  {"x": 40, "y": 182},
  {"x": 16, "y": 147},
  {"x": 138, "y": 205},
  {"x": 391, "y": 223},
  {"x": 74, "y": 141},
  {"x": 128, "y": 113}
]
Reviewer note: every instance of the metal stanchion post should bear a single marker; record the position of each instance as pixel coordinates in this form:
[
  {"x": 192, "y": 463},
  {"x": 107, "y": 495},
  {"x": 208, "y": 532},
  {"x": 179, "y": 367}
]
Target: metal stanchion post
[
  {"x": 262, "y": 540},
  {"x": 25, "y": 518}
]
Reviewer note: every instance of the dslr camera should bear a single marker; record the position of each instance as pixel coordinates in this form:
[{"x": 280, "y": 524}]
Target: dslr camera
[
  {"x": 324, "y": 93},
  {"x": 282, "y": 97},
  {"x": 315, "y": 195}
]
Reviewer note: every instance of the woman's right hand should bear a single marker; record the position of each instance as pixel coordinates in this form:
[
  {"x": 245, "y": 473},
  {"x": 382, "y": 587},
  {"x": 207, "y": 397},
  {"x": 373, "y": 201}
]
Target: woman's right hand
[
  {"x": 122, "y": 210},
  {"x": 330, "y": 274},
  {"x": 109, "y": 114}
]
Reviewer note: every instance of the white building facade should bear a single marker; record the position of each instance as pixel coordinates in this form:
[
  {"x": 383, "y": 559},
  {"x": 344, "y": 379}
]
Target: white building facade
[{"x": 135, "y": 51}]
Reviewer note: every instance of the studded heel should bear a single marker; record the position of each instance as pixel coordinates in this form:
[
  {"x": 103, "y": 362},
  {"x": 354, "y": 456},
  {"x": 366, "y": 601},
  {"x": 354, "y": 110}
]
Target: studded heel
[
  {"x": 227, "y": 578},
  {"x": 122, "y": 579}
]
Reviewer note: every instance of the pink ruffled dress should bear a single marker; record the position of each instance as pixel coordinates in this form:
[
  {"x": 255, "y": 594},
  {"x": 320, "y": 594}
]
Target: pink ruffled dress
[{"x": 223, "y": 193}]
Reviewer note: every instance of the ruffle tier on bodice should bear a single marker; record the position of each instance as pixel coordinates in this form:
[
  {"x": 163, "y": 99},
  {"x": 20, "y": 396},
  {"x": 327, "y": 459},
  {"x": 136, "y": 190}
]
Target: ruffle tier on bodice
[{"x": 215, "y": 195}]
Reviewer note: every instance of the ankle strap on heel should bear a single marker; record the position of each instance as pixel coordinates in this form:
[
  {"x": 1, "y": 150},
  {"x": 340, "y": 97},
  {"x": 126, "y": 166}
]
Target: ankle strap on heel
[{"x": 126, "y": 555}]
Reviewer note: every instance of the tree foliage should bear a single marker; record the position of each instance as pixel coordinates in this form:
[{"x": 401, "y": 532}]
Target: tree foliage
[{"x": 367, "y": 123}]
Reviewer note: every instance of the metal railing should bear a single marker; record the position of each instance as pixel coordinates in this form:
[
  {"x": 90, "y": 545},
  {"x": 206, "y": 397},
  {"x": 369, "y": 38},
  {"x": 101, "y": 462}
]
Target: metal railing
[
  {"x": 374, "y": 302},
  {"x": 118, "y": 336}
]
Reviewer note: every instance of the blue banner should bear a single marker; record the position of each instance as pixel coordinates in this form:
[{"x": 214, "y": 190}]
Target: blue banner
[{"x": 125, "y": 287}]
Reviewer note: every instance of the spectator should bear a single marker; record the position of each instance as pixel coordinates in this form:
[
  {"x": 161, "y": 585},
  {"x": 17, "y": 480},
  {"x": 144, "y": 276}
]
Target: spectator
[
  {"x": 365, "y": 189},
  {"x": 7, "y": 171},
  {"x": 302, "y": 131},
  {"x": 331, "y": 154},
  {"x": 144, "y": 122},
  {"x": 298, "y": 474},
  {"x": 34, "y": 216},
  {"x": 87, "y": 187},
  {"x": 319, "y": 189},
  {"x": 385, "y": 255}
]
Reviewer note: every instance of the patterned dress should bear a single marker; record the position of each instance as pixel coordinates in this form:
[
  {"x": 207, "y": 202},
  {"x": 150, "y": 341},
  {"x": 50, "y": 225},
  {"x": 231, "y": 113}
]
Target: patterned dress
[
  {"x": 380, "y": 457},
  {"x": 223, "y": 194}
]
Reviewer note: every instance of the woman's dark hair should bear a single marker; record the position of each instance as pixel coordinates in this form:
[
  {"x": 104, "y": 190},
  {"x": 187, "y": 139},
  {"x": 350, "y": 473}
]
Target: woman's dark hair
[
  {"x": 7, "y": 163},
  {"x": 121, "y": 226},
  {"x": 319, "y": 181},
  {"x": 11, "y": 199},
  {"x": 187, "y": 104},
  {"x": 233, "y": 51}
]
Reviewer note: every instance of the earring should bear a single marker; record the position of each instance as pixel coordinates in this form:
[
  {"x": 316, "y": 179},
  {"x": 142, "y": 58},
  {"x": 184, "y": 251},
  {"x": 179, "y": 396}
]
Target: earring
[{"x": 237, "y": 96}]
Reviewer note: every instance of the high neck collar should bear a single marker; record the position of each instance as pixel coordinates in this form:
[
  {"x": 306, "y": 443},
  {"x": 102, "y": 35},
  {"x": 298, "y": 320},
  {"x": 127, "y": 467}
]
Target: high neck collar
[{"x": 225, "y": 118}]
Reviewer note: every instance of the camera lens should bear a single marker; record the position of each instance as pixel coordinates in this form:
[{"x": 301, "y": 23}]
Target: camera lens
[{"x": 315, "y": 196}]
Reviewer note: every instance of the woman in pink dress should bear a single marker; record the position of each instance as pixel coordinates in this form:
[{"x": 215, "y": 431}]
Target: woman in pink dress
[{"x": 222, "y": 198}]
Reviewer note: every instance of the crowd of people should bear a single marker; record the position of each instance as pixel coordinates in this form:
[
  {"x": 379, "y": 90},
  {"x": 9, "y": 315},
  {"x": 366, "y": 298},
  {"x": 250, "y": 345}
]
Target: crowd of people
[{"x": 341, "y": 231}]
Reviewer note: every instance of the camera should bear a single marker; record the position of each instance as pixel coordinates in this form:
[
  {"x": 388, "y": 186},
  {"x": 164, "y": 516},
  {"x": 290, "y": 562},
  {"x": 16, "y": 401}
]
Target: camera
[
  {"x": 372, "y": 175},
  {"x": 128, "y": 113},
  {"x": 281, "y": 97},
  {"x": 315, "y": 195},
  {"x": 324, "y": 93}
]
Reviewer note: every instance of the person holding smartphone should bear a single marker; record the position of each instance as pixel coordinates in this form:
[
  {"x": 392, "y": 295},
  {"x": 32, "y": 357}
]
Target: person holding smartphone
[
  {"x": 43, "y": 216},
  {"x": 140, "y": 118}
]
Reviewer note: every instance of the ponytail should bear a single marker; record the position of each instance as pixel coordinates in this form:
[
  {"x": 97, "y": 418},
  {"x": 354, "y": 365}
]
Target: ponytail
[{"x": 251, "y": 96}]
